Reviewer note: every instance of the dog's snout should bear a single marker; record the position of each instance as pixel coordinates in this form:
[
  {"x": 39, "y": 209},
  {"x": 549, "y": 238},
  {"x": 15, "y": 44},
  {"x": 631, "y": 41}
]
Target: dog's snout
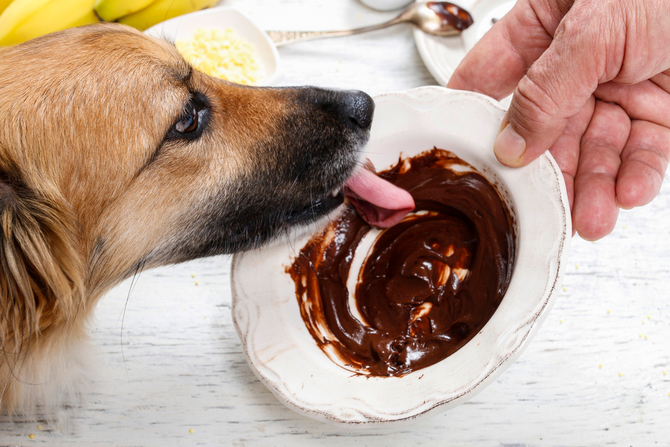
[{"x": 359, "y": 107}]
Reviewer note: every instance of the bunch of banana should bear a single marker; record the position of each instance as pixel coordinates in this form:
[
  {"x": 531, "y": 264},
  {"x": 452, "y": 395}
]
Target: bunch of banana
[
  {"x": 161, "y": 10},
  {"x": 21, "y": 20},
  {"x": 25, "y": 19}
]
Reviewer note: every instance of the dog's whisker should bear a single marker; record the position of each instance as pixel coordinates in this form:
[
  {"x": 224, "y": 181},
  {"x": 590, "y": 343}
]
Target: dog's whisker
[
  {"x": 296, "y": 179},
  {"x": 167, "y": 11},
  {"x": 133, "y": 282},
  {"x": 311, "y": 202},
  {"x": 291, "y": 239}
]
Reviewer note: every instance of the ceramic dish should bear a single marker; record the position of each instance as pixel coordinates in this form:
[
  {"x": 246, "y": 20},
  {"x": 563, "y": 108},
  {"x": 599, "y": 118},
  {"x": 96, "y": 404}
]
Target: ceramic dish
[
  {"x": 285, "y": 357},
  {"x": 443, "y": 54},
  {"x": 221, "y": 18}
]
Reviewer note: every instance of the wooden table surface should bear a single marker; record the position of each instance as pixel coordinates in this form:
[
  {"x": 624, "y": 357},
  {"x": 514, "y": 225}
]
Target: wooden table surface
[{"x": 169, "y": 368}]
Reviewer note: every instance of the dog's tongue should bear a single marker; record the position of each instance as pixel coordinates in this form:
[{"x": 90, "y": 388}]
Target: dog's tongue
[{"x": 379, "y": 202}]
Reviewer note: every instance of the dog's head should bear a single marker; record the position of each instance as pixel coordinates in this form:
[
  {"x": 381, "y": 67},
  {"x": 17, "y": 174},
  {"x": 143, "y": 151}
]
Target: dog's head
[
  {"x": 157, "y": 163},
  {"x": 116, "y": 155}
]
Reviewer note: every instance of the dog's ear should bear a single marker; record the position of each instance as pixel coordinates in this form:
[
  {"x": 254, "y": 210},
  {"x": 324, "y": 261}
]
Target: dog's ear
[{"x": 41, "y": 271}]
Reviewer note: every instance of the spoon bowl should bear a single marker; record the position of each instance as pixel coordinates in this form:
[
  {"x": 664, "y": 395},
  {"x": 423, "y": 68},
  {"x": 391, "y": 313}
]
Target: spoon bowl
[{"x": 437, "y": 18}]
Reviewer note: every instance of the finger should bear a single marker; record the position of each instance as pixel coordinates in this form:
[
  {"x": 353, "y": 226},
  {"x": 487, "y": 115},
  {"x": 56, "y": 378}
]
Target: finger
[
  {"x": 566, "y": 149},
  {"x": 556, "y": 87},
  {"x": 500, "y": 59},
  {"x": 662, "y": 80},
  {"x": 644, "y": 162},
  {"x": 642, "y": 101},
  {"x": 595, "y": 209}
]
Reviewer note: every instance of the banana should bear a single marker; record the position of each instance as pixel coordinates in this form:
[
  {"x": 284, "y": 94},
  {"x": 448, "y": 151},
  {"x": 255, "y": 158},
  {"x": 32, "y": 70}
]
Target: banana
[
  {"x": 26, "y": 19},
  {"x": 110, "y": 10},
  {"x": 161, "y": 10},
  {"x": 4, "y": 4}
]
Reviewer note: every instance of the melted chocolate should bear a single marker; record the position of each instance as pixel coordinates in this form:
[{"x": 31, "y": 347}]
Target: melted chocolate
[
  {"x": 427, "y": 285},
  {"x": 452, "y": 15}
]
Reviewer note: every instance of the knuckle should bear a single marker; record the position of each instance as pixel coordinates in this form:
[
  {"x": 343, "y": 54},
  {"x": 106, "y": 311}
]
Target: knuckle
[
  {"x": 654, "y": 160},
  {"x": 534, "y": 105}
]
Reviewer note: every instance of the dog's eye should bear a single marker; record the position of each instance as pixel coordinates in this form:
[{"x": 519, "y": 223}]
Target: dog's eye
[
  {"x": 189, "y": 120},
  {"x": 193, "y": 119}
]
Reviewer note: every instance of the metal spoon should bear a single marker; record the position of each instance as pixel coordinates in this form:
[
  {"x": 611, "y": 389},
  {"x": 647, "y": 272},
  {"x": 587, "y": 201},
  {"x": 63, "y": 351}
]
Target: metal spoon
[{"x": 437, "y": 18}]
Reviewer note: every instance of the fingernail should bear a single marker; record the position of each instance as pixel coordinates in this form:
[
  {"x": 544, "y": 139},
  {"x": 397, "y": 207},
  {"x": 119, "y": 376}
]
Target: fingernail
[{"x": 509, "y": 146}]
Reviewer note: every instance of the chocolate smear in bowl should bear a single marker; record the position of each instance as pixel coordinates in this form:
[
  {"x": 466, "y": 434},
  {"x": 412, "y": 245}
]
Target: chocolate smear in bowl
[{"x": 392, "y": 301}]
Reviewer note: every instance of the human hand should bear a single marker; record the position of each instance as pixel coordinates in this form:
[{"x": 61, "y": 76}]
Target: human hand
[{"x": 591, "y": 84}]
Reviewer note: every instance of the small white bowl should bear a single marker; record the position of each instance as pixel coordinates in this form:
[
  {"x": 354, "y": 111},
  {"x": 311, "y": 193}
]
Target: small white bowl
[
  {"x": 284, "y": 355},
  {"x": 386, "y": 5},
  {"x": 182, "y": 27},
  {"x": 442, "y": 55},
  {"x": 484, "y": 12}
]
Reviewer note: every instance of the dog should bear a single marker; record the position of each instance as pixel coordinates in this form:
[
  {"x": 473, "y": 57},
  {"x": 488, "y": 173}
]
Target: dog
[{"x": 117, "y": 156}]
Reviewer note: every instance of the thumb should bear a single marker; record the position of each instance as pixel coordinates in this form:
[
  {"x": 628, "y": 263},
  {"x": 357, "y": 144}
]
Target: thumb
[{"x": 554, "y": 89}]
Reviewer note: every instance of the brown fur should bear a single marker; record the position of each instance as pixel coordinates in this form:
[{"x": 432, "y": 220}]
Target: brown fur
[{"x": 94, "y": 186}]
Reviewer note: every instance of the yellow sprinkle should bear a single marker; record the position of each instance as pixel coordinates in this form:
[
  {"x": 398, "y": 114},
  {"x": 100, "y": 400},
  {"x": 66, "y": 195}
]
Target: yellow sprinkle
[
  {"x": 619, "y": 374},
  {"x": 624, "y": 227},
  {"x": 608, "y": 311},
  {"x": 648, "y": 317},
  {"x": 193, "y": 275},
  {"x": 576, "y": 266},
  {"x": 640, "y": 335},
  {"x": 31, "y": 436},
  {"x": 196, "y": 283},
  {"x": 39, "y": 427},
  {"x": 565, "y": 288},
  {"x": 664, "y": 373},
  {"x": 560, "y": 321},
  {"x": 645, "y": 337},
  {"x": 600, "y": 366},
  {"x": 642, "y": 321},
  {"x": 190, "y": 431}
]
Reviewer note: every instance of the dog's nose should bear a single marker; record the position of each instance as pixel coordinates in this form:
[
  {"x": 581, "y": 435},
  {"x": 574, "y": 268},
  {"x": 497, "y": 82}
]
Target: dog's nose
[
  {"x": 353, "y": 107},
  {"x": 359, "y": 107}
]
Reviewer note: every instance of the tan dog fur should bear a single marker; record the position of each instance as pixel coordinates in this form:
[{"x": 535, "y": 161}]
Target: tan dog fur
[{"x": 85, "y": 198}]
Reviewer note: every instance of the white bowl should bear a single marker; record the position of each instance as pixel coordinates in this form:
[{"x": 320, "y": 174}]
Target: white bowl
[
  {"x": 182, "y": 27},
  {"x": 284, "y": 355}
]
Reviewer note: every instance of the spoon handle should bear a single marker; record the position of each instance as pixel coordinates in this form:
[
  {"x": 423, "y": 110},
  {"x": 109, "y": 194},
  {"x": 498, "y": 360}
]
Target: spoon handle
[{"x": 287, "y": 37}]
